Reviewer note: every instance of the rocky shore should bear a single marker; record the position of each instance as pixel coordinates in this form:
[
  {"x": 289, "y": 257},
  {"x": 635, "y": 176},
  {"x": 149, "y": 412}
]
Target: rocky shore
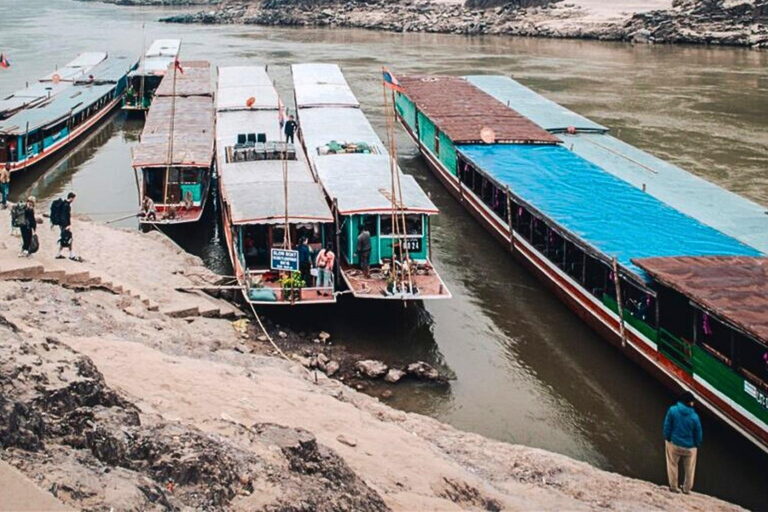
[
  {"x": 725, "y": 22},
  {"x": 122, "y": 387}
]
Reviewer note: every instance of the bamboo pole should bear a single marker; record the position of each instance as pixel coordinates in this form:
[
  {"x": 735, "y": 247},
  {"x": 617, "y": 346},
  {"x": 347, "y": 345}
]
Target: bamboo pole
[
  {"x": 617, "y": 284},
  {"x": 509, "y": 221}
]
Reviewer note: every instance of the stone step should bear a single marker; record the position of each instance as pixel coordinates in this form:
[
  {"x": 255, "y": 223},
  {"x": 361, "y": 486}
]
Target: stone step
[
  {"x": 76, "y": 278},
  {"x": 21, "y": 268},
  {"x": 180, "y": 310},
  {"x": 53, "y": 275}
]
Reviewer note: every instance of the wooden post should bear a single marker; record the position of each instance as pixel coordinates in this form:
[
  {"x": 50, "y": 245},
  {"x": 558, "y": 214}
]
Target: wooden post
[
  {"x": 429, "y": 237},
  {"x": 509, "y": 221},
  {"x": 617, "y": 284},
  {"x": 337, "y": 228}
]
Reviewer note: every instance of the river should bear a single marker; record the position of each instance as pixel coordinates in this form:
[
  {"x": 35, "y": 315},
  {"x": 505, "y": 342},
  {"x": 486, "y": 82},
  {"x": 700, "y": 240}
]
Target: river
[{"x": 526, "y": 369}]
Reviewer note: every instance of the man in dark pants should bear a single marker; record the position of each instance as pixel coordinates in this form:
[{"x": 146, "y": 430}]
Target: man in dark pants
[
  {"x": 682, "y": 438},
  {"x": 28, "y": 227},
  {"x": 364, "y": 250},
  {"x": 305, "y": 261},
  {"x": 290, "y": 129},
  {"x": 65, "y": 235}
]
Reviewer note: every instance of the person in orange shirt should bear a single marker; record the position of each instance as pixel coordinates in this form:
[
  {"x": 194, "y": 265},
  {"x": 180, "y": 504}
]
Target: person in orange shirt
[{"x": 324, "y": 262}]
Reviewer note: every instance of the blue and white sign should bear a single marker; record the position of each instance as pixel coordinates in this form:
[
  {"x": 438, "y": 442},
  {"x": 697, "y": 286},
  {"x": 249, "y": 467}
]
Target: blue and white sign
[{"x": 284, "y": 260}]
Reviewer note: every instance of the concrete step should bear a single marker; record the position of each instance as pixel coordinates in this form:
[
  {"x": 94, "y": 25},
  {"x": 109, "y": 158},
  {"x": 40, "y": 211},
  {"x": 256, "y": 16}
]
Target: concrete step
[
  {"x": 180, "y": 310},
  {"x": 53, "y": 275},
  {"x": 20, "y": 268},
  {"x": 76, "y": 278}
]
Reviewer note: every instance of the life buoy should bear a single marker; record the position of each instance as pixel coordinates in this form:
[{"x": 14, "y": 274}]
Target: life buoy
[{"x": 250, "y": 101}]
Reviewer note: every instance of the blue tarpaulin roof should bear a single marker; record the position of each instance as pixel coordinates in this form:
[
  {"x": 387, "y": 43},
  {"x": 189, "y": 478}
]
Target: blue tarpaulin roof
[
  {"x": 542, "y": 111},
  {"x": 706, "y": 202},
  {"x": 607, "y": 213}
]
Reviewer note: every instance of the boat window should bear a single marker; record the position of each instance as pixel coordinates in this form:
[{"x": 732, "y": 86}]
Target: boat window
[
  {"x": 538, "y": 233},
  {"x": 676, "y": 316},
  {"x": 574, "y": 261},
  {"x": 638, "y": 303},
  {"x": 309, "y": 231},
  {"x": 524, "y": 223},
  {"x": 596, "y": 277},
  {"x": 555, "y": 248},
  {"x": 752, "y": 359},
  {"x": 369, "y": 222},
  {"x": 414, "y": 226},
  {"x": 190, "y": 175},
  {"x": 714, "y": 336}
]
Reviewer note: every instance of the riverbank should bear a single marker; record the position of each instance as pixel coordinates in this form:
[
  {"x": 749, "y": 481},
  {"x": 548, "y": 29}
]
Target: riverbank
[
  {"x": 722, "y": 22},
  {"x": 118, "y": 390}
]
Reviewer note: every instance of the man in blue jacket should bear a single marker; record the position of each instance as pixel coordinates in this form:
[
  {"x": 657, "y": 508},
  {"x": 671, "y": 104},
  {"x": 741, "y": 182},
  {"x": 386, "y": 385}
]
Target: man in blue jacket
[{"x": 682, "y": 436}]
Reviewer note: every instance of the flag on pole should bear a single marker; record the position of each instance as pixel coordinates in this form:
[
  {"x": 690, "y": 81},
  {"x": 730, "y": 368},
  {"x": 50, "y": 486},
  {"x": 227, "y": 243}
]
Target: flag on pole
[
  {"x": 4, "y": 61},
  {"x": 390, "y": 80},
  {"x": 280, "y": 113},
  {"x": 177, "y": 65}
]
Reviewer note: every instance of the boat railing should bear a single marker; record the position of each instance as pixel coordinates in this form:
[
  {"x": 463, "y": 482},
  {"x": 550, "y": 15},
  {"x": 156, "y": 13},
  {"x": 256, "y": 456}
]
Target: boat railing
[{"x": 678, "y": 350}]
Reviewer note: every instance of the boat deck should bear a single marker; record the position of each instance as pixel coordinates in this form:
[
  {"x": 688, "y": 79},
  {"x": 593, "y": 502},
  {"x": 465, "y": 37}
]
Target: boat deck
[
  {"x": 428, "y": 283},
  {"x": 270, "y": 291},
  {"x": 183, "y": 215}
]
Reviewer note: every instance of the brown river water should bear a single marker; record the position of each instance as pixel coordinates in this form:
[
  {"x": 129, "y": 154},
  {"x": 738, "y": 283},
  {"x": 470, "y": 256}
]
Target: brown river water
[{"x": 526, "y": 369}]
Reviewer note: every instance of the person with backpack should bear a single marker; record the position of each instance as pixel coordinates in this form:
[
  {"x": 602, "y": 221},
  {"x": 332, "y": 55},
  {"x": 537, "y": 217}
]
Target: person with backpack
[
  {"x": 61, "y": 215},
  {"x": 24, "y": 218}
]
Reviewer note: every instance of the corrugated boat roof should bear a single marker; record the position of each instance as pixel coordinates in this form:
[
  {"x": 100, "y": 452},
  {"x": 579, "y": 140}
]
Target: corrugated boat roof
[
  {"x": 72, "y": 100},
  {"x": 194, "y": 81},
  {"x": 109, "y": 71},
  {"x": 321, "y": 85},
  {"x": 320, "y": 126},
  {"x": 613, "y": 217},
  {"x": 733, "y": 288},
  {"x": 192, "y": 133},
  {"x": 542, "y": 111},
  {"x": 77, "y": 68},
  {"x": 696, "y": 197},
  {"x": 363, "y": 184},
  {"x": 164, "y": 47},
  {"x": 237, "y": 84},
  {"x": 461, "y": 111},
  {"x": 253, "y": 190},
  {"x": 35, "y": 94}
]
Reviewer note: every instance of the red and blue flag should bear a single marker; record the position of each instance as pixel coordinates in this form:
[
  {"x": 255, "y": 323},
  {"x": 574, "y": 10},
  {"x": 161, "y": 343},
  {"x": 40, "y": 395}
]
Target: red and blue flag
[
  {"x": 4, "y": 61},
  {"x": 390, "y": 80}
]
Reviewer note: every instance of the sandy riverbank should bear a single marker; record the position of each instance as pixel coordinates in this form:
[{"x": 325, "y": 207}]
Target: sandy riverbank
[
  {"x": 723, "y": 22},
  {"x": 118, "y": 391}
]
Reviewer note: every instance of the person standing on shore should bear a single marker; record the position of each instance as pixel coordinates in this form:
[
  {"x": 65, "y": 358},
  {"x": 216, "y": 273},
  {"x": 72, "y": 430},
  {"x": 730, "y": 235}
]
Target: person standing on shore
[
  {"x": 305, "y": 261},
  {"x": 290, "y": 129},
  {"x": 64, "y": 221},
  {"x": 5, "y": 184},
  {"x": 28, "y": 225},
  {"x": 364, "y": 250},
  {"x": 682, "y": 438}
]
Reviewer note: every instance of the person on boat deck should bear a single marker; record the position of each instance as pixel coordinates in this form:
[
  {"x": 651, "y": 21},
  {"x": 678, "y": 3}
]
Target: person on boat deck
[
  {"x": 148, "y": 209},
  {"x": 305, "y": 261},
  {"x": 28, "y": 227},
  {"x": 5, "y": 184},
  {"x": 325, "y": 261},
  {"x": 682, "y": 438},
  {"x": 364, "y": 250},
  {"x": 290, "y": 129},
  {"x": 65, "y": 235}
]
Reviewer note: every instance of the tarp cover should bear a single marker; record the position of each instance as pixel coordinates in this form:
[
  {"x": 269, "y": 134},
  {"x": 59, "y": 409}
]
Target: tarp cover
[
  {"x": 715, "y": 206},
  {"x": 264, "y": 204},
  {"x": 607, "y": 213},
  {"x": 192, "y": 133},
  {"x": 363, "y": 184},
  {"x": 77, "y": 68},
  {"x": 461, "y": 110},
  {"x": 237, "y": 84},
  {"x": 734, "y": 288},
  {"x": 109, "y": 71},
  {"x": 35, "y": 94},
  {"x": 164, "y": 47},
  {"x": 542, "y": 111},
  {"x": 194, "y": 81},
  {"x": 321, "y": 85}
]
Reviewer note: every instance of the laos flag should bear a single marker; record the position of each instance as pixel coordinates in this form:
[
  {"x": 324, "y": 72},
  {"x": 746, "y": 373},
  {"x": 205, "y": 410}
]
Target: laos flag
[
  {"x": 390, "y": 80},
  {"x": 4, "y": 61}
]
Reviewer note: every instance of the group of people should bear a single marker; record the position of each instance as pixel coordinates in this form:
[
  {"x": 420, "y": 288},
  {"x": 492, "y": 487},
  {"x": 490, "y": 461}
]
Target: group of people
[
  {"x": 24, "y": 218},
  {"x": 324, "y": 262}
]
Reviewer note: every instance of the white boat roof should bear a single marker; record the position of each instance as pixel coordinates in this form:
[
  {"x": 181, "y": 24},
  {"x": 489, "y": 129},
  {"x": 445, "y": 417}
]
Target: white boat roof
[
  {"x": 254, "y": 190},
  {"x": 237, "y": 84},
  {"x": 164, "y": 47},
  {"x": 360, "y": 182},
  {"x": 77, "y": 68},
  {"x": 35, "y": 94},
  {"x": 321, "y": 85}
]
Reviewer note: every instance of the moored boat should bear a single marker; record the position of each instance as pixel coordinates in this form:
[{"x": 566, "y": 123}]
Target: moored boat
[
  {"x": 674, "y": 290},
  {"x": 270, "y": 198},
  {"x": 367, "y": 191},
  {"x": 174, "y": 157},
  {"x": 90, "y": 92},
  {"x": 144, "y": 81}
]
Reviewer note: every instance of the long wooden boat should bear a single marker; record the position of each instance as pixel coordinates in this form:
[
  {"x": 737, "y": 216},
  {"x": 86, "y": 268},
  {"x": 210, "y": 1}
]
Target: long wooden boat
[
  {"x": 174, "y": 158},
  {"x": 681, "y": 293},
  {"x": 144, "y": 81},
  {"x": 50, "y": 85},
  {"x": 357, "y": 175},
  {"x": 82, "y": 94},
  {"x": 256, "y": 168}
]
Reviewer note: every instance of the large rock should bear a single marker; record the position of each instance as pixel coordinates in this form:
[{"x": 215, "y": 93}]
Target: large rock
[
  {"x": 331, "y": 368},
  {"x": 371, "y": 368},
  {"x": 394, "y": 375},
  {"x": 422, "y": 370}
]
